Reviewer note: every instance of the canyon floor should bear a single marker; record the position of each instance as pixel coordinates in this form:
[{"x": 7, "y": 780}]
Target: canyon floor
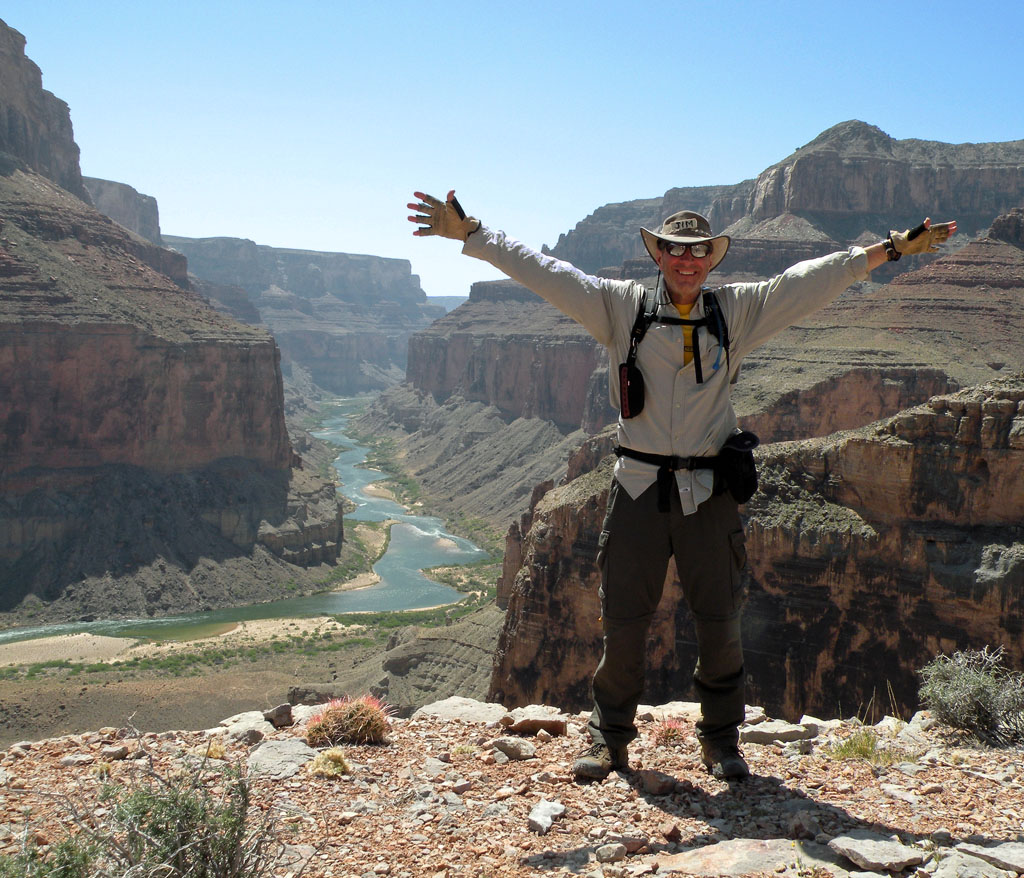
[{"x": 258, "y": 662}]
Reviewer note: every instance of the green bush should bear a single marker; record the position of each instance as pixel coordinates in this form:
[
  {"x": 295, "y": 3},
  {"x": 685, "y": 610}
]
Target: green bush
[
  {"x": 70, "y": 858},
  {"x": 972, "y": 691},
  {"x": 160, "y": 828}
]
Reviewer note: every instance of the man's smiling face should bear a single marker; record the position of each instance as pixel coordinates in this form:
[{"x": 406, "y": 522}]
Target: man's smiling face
[{"x": 684, "y": 275}]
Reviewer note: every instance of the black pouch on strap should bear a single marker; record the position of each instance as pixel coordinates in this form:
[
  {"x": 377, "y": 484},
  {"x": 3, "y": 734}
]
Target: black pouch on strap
[
  {"x": 736, "y": 465},
  {"x": 631, "y": 390}
]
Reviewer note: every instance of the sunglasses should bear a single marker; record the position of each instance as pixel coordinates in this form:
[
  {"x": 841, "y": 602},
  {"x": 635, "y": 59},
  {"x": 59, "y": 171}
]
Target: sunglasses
[{"x": 697, "y": 251}]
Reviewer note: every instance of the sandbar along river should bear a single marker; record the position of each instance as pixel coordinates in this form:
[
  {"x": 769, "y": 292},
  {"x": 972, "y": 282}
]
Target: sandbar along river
[{"x": 417, "y": 542}]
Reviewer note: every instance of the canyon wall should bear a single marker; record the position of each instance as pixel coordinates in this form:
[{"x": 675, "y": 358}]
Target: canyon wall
[
  {"x": 145, "y": 466},
  {"x": 126, "y": 206},
  {"x": 950, "y": 322},
  {"x": 35, "y": 125},
  {"x": 851, "y": 184},
  {"x": 346, "y": 318},
  {"x": 599, "y": 241},
  {"x": 871, "y": 551},
  {"x": 878, "y": 350},
  {"x": 507, "y": 347}
]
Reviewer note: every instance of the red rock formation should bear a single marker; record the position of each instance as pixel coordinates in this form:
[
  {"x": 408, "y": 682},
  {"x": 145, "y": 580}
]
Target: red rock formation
[
  {"x": 871, "y": 552},
  {"x": 144, "y": 462},
  {"x": 855, "y": 168},
  {"x": 876, "y": 550},
  {"x": 509, "y": 348},
  {"x": 103, "y": 360}
]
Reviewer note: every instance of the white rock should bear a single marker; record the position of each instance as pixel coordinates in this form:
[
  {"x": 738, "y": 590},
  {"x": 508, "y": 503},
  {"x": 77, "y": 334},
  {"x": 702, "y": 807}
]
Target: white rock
[
  {"x": 688, "y": 710},
  {"x": 465, "y": 709},
  {"x": 774, "y": 730},
  {"x": 544, "y": 813}
]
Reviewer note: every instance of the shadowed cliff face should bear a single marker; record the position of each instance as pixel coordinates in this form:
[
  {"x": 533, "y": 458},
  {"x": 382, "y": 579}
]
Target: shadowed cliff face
[
  {"x": 145, "y": 466},
  {"x": 870, "y": 552},
  {"x": 104, "y": 360}
]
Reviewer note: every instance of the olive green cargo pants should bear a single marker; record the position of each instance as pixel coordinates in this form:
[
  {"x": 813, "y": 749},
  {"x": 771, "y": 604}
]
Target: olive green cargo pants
[{"x": 635, "y": 545}]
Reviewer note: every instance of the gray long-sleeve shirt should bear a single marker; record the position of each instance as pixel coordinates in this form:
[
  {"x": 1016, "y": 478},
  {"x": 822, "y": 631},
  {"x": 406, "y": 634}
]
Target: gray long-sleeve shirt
[{"x": 680, "y": 416}]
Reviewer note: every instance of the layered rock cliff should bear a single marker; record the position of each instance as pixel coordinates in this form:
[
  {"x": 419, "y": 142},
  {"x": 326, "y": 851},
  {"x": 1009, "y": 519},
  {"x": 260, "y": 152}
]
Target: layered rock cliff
[
  {"x": 870, "y": 552},
  {"x": 145, "y": 466},
  {"x": 144, "y": 461},
  {"x": 875, "y": 352},
  {"x": 950, "y": 324},
  {"x": 507, "y": 347},
  {"x": 35, "y": 125},
  {"x": 346, "y": 318},
  {"x": 870, "y": 354}
]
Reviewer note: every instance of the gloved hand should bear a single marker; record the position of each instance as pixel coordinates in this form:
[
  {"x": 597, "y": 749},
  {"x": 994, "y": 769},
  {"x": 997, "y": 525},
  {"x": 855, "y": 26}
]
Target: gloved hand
[
  {"x": 444, "y": 218},
  {"x": 921, "y": 239}
]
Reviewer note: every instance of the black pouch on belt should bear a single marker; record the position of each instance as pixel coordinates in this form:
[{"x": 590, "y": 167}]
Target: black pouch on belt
[
  {"x": 631, "y": 390},
  {"x": 736, "y": 465}
]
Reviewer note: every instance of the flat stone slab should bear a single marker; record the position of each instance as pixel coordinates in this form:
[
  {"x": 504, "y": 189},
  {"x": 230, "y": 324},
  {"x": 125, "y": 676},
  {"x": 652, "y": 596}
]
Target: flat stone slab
[
  {"x": 465, "y": 709},
  {"x": 957, "y": 864},
  {"x": 875, "y": 852},
  {"x": 1007, "y": 855},
  {"x": 280, "y": 759},
  {"x": 742, "y": 856}
]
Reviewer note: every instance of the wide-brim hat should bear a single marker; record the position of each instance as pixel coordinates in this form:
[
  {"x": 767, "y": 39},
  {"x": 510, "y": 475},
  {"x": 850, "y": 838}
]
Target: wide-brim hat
[{"x": 686, "y": 227}]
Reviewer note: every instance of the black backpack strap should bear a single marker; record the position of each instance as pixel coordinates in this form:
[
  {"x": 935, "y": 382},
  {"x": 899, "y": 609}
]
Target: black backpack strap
[
  {"x": 713, "y": 319},
  {"x": 717, "y": 325},
  {"x": 644, "y": 319}
]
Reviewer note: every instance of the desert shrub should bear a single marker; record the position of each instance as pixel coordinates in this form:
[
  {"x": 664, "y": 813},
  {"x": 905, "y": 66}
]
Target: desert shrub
[
  {"x": 159, "y": 828},
  {"x": 212, "y": 748},
  {"x": 862, "y": 744},
  {"x": 974, "y": 692},
  {"x": 362, "y": 720},
  {"x": 69, "y": 858}
]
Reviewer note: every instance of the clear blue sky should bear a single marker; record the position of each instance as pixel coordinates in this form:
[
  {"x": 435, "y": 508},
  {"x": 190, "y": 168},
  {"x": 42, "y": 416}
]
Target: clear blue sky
[{"x": 309, "y": 125}]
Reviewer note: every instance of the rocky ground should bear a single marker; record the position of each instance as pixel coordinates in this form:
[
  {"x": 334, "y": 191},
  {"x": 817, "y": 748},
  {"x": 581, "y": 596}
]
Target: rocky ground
[{"x": 462, "y": 788}]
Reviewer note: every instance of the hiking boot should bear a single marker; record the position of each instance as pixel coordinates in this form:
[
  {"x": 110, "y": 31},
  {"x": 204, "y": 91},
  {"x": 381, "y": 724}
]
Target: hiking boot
[
  {"x": 598, "y": 761},
  {"x": 724, "y": 761}
]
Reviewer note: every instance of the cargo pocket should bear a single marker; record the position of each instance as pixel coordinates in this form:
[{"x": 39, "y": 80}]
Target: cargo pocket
[
  {"x": 602, "y": 549},
  {"x": 738, "y": 547}
]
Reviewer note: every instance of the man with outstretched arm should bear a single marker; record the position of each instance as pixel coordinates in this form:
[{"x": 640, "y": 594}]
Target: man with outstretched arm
[{"x": 684, "y": 466}]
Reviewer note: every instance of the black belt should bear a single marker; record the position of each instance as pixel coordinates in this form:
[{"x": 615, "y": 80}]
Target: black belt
[{"x": 667, "y": 464}]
